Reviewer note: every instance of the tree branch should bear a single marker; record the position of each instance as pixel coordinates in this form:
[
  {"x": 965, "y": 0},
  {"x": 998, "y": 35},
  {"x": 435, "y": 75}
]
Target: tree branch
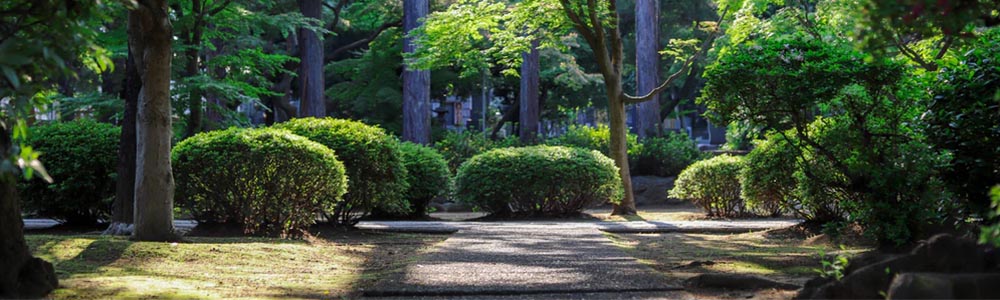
[
  {"x": 629, "y": 99},
  {"x": 330, "y": 56},
  {"x": 219, "y": 8}
]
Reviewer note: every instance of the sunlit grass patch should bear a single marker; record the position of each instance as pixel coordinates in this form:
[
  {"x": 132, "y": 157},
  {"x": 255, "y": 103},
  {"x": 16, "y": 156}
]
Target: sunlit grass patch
[
  {"x": 92, "y": 267},
  {"x": 683, "y": 255}
]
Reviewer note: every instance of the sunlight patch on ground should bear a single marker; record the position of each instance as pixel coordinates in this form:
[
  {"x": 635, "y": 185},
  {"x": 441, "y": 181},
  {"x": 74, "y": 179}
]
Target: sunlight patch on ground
[
  {"x": 684, "y": 255},
  {"x": 91, "y": 267}
]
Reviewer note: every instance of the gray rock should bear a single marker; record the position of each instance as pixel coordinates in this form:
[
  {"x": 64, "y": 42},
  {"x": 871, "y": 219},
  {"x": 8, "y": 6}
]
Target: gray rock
[
  {"x": 941, "y": 253},
  {"x": 651, "y": 189},
  {"x": 945, "y": 286}
]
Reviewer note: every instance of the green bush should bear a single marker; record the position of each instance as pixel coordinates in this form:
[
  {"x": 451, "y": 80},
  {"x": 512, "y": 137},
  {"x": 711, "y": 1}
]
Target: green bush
[
  {"x": 767, "y": 182},
  {"x": 714, "y": 185},
  {"x": 538, "y": 180},
  {"x": 457, "y": 147},
  {"x": 372, "y": 159},
  {"x": 665, "y": 156},
  {"x": 990, "y": 235},
  {"x": 81, "y": 157},
  {"x": 269, "y": 181},
  {"x": 427, "y": 174},
  {"x": 593, "y": 138}
]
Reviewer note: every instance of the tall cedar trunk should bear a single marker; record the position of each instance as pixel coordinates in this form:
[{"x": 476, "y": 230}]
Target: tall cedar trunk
[
  {"x": 311, "y": 70},
  {"x": 193, "y": 56},
  {"x": 150, "y": 37},
  {"x": 528, "y": 119},
  {"x": 122, "y": 211},
  {"x": 21, "y": 275},
  {"x": 647, "y": 64},
  {"x": 416, "y": 83}
]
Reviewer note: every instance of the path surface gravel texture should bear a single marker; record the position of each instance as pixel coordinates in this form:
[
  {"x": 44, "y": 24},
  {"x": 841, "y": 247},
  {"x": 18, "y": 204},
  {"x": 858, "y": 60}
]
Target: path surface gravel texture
[{"x": 534, "y": 260}]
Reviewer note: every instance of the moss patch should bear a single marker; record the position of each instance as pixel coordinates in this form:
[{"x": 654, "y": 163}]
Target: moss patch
[{"x": 94, "y": 267}]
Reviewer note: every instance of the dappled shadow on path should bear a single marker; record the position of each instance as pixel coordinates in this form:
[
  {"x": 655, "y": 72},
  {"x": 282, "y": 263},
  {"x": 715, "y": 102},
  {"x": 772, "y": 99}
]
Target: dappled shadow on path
[{"x": 522, "y": 261}]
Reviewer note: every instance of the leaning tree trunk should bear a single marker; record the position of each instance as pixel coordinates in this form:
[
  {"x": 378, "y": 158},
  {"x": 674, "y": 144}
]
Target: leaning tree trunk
[
  {"x": 529, "y": 110},
  {"x": 647, "y": 65},
  {"x": 122, "y": 211},
  {"x": 150, "y": 37},
  {"x": 21, "y": 275},
  {"x": 416, "y": 83},
  {"x": 311, "y": 84}
]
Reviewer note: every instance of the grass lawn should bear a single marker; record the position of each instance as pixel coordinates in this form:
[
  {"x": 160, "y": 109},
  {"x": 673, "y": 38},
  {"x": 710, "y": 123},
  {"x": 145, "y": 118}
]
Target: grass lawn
[
  {"x": 334, "y": 264},
  {"x": 770, "y": 254}
]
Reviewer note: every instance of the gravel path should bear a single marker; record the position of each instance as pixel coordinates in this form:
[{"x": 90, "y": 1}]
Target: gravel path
[{"x": 532, "y": 260}]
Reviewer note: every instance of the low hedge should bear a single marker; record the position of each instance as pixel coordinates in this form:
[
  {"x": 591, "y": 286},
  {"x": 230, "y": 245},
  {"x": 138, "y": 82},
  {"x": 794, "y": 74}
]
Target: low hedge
[
  {"x": 714, "y": 185},
  {"x": 80, "y": 156},
  {"x": 768, "y": 178},
  {"x": 458, "y": 147},
  {"x": 664, "y": 156},
  {"x": 538, "y": 180},
  {"x": 372, "y": 160},
  {"x": 427, "y": 174},
  {"x": 269, "y": 181}
]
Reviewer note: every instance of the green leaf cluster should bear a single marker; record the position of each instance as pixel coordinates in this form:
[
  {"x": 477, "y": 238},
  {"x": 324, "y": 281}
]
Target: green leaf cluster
[
  {"x": 80, "y": 156},
  {"x": 269, "y": 181},
  {"x": 427, "y": 174},
  {"x": 714, "y": 185},
  {"x": 538, "y": 181},
  {"x": 373, "y": 162}
]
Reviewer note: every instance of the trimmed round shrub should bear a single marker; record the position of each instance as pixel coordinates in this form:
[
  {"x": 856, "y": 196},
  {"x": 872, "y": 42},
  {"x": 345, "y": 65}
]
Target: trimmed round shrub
[
  {"x": 538, "y": 180},
  {"x": 372, "y": 160},
  {"x": 768, "y": 178},
  {"x": 593, "y": 138},
  {"x": 427, "y": 174},
  {"x": 81, "y": 157},
  {"x": 714, "y": 185},
  {"x": 269, "y": 181},
  {"x": 457, "y": 147},
  {"x": 665, "y": 156}
]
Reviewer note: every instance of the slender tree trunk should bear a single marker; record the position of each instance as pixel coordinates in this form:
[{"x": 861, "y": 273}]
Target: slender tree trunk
[
  {"x": 647, "y": 64},
  {"x": 21, "y": 275},
  {"x": 528, "y": 119},
  {"x": 150, "y": 37},
  {"x": 122, "y": 211},
  {"x": 619, "y": 147},
  {"x": 311, "y": 84},
  {"x": 416, "y": 83}
]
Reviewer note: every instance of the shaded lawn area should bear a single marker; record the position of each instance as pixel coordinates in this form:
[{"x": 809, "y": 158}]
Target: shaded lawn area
[
  {"x": 770, "y": 254},
  {"x": 333, "y": 265}
]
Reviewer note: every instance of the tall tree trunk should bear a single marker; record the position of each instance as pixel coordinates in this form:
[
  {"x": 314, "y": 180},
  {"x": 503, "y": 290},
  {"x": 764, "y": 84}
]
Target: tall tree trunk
[
  {"x": 647, "y": 65},
  {"x": 416, "y": 83},
  {"x": 21, "y": 275},
  {"x": 122, "y": 211},
  {"x": 150, "y": 37},
  {"x": 528, "y": 119},
  {"x": 311, "y": 70},
  {"x": 192, "y": 37},
  {"x": 619, "y": 147}
]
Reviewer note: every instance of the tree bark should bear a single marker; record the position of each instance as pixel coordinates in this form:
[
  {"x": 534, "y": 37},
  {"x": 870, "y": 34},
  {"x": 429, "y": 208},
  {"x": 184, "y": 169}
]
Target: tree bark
[
  {"x": 122, "y": 211},
  {"x": 416, "y": 83},
  {"x": 192, "y": 37},
  {"x": 311, "y": 84},
  {"x": 647, "y": 65},
  {"x": 150, "y": 37},
  {"x": 21, "y": 275},
  {"x": 528, "y": 119}
]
